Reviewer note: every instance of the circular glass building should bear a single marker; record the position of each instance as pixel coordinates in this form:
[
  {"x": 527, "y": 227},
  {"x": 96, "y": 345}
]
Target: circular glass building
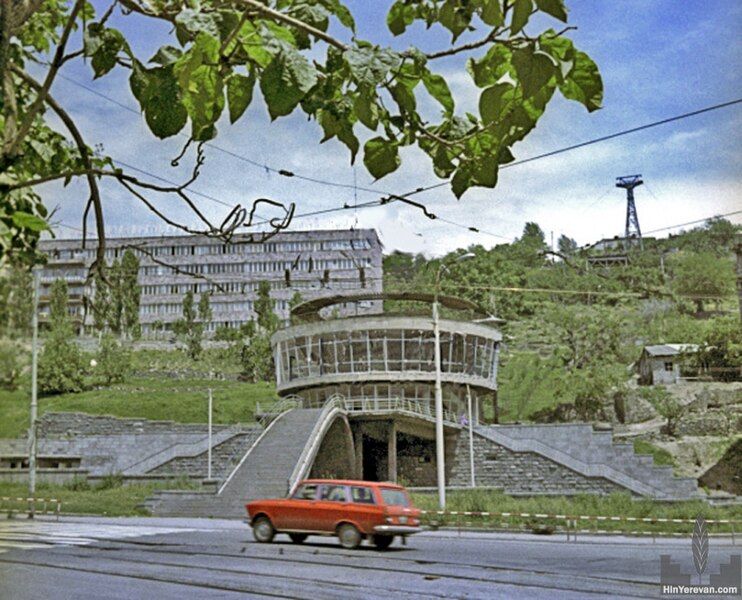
[{"x": 388, "y": 360}]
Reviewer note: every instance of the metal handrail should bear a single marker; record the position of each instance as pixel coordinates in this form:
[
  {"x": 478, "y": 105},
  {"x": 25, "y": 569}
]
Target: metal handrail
[
  {"x": 279, "y": 406},
  {"x": 333, "y": 403}
]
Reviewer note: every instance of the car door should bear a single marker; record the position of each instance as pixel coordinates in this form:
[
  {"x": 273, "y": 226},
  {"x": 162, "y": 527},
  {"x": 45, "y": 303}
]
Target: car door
[
  {"x": 332, "y": 506},
  {"x": 364, "y": 509},
  {"x": 301, "y": 510}
]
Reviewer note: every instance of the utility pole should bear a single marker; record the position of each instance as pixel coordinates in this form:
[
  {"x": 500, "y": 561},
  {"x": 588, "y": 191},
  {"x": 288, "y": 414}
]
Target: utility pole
[
  {"x": 629, "y": 182},
  {"x": 34, "y": 397}
]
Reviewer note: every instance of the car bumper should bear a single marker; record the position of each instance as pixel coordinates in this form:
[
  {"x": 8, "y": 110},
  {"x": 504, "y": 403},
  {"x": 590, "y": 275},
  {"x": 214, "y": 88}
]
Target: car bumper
[{"x": 396, "y": 529}]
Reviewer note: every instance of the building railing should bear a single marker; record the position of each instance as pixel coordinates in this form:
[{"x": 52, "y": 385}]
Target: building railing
[
  {"x": 358, "y": 405},
  {"x": 395, "y": 404}
]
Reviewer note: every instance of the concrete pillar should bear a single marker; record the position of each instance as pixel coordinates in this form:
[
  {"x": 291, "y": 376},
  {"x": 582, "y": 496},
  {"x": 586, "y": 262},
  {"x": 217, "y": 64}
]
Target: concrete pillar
[
  {"x": 359, "y": 455},
  {"x": 392, "y": 452}
]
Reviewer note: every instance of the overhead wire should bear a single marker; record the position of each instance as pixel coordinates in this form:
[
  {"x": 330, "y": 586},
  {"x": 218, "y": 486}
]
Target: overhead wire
[{"x": 419, "y": 190}]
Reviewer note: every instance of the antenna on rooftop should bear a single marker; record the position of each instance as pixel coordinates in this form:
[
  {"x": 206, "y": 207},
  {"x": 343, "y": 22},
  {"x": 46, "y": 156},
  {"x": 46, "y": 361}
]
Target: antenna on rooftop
[{"x": 629, "y": 182}]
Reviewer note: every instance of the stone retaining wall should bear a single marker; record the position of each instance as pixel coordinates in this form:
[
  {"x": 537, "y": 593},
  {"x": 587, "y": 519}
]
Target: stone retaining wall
[
  {"x": 80, "y": 424},
  {"x": 520, "y": 473}
]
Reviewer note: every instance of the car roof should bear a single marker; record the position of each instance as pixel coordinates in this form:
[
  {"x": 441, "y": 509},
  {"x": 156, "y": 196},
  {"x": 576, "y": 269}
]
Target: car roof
[{"x": 354, "y": 482}]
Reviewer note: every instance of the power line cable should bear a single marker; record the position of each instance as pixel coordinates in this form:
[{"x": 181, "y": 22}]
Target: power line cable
[
  {"x": 604, "y": 138},
  {"x": 729, "y": 214},
  {"x": 254, "y": 163},
  {"x": 419, "y": 190}
]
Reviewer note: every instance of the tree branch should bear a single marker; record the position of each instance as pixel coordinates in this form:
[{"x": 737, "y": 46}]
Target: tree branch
[
  {"x": 42, "y": 93},
  {"x": 289, "y": 20},
  {"x": 82, "y": 147},
  {"x": 466, "y": 47}
]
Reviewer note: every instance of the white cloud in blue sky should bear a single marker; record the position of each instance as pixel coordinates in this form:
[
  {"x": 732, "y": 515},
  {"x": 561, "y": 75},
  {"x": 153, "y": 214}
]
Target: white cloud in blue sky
[{"x": 658, "y": 59}]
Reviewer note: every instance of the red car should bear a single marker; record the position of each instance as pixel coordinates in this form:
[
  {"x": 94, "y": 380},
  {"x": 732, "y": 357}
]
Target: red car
[{"x": 350, "y": 510}]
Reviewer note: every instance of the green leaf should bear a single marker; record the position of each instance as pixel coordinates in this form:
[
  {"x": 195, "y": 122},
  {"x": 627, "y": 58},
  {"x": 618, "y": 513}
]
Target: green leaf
[
  {"x": 366, "y": 110},
  {"x": 491, "y": 67},
  {"x": 521, "y": 13},
  {"x": 399, "y": 17},
  {"x": 370, "y": 66},
  {"x": 341, "y": 12},
  {"x": 584, "y": 84},
  {"x": 380, "y": 156},
  {"x": 205, "y": 101},
  {"x": 24, "y": 220},
  {"x": 452, "y": 18},
  {"x": 485, "y": 171},
  {"x": 561, "y": 49},
  {"x": 160, "y": 98},
  {"x": 285, "y": 81},
  {"x": 194, "y": 22},
  {"x": 492, "y": 13},
  {"x": 239, "y": 94},
  {"x": 442, "y": 163},
  {"x": 103, "y": 45},
  {"x": 438, "y": 88},
  {"x": 404, "y": 95},
  {"x": 314, "y": 16},
  {"x": 534, "y": 70},
  {"x": 555, "y": 8},
  {"x": 167, "y": 55},
  {"x": 495, "y": 101},
  {"x": 461, "y": 180}
]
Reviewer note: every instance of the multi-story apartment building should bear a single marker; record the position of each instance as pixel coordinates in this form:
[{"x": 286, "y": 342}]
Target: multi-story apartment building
[{"x": 312, "y": 263}]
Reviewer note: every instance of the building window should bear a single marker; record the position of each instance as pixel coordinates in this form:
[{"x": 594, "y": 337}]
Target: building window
[{"x": 668, "y": 366}]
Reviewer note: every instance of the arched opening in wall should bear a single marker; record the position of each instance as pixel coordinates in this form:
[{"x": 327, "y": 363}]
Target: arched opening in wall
[{"x": 336, "y": 457}]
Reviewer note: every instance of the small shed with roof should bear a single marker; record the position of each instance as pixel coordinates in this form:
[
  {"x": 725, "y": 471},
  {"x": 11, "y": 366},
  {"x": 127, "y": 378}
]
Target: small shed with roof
[{"x": 661, "y": 364}]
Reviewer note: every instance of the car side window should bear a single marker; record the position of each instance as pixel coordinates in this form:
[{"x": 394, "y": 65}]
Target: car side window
[
  {"x": 333, "y": 493},
  {"x": 362, "y": 495},
  {"x": 306, "y": 492}
]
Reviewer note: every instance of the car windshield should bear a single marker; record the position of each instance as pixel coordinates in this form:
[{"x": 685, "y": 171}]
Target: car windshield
[{"x": 394, "y": 497}]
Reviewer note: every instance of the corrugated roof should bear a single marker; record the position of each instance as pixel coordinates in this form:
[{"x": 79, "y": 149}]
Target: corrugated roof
[{"x": 670, "y": 349}]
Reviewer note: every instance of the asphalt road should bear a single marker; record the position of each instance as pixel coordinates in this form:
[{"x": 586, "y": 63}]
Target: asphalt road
[{"x": 98, "y": 558}]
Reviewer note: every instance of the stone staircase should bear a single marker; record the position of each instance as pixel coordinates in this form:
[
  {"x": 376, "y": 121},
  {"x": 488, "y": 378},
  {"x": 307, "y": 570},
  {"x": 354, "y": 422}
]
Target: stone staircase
[
  {"x": 224, "y": 458},
  {"x": 593, "y": 454},
  {"x": 263, "y": 472}
]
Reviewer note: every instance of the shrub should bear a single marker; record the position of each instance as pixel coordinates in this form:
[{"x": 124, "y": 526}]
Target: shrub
[
  {"x": 114, "y": 360},
  {"x": 11, "y": 365}
]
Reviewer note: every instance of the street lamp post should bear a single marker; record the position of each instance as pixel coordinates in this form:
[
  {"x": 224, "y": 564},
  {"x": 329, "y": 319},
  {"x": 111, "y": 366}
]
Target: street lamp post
[
  {"x": 34, "y": 397},
  {"x": 440, "y": 451},
  {"x": 440, "y": 448}
]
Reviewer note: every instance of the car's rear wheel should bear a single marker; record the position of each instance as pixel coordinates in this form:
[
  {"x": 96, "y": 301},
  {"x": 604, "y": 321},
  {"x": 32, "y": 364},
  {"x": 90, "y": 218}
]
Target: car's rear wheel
[
  {"x": 349, "y": 536},
  {"x": 263, "y": 530},
  {"x": 382, "y": 542},
  {"x": 298, "y": 538}
]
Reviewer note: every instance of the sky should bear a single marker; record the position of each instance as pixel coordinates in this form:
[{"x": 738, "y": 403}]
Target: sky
[{"x": 659, "y": 59}]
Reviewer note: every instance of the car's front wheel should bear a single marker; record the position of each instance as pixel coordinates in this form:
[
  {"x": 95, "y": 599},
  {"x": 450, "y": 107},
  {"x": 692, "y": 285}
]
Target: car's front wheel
[
  {"x": 382, "y": 542},
  {"x": 349, "y": 536},
  {"x": 263, "y": 530}
]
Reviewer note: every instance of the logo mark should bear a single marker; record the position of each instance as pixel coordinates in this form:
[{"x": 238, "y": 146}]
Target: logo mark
[{"x": 700, "y": 546}]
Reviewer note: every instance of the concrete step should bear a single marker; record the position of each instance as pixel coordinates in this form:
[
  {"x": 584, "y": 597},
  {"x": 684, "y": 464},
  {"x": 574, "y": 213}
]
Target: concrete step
[
  {"x": 582, "y": 449},
  {"x": 264, "y": 471}
]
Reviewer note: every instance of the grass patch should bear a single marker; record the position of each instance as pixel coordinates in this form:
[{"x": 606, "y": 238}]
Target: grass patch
[
  {"x": 217, "y": 360},
  {"x": 179, "y": 400},
  {"x": 660, "y": 455},
  {"x": 618, "y": 504},
  {"x": 109, "y": 498}
]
